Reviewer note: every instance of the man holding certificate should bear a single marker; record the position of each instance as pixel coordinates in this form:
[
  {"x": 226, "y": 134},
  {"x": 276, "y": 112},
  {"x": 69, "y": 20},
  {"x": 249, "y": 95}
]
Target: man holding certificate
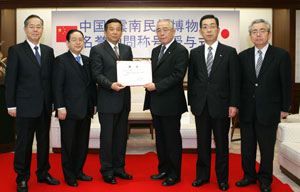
[
  {"x": 113, "y": 101},
  {"x": 166, "y": 101}
]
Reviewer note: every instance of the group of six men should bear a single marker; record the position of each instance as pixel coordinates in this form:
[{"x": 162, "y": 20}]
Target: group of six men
[{"x": 256, "y": 84}]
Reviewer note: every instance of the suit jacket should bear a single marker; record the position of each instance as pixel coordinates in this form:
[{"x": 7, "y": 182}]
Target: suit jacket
[
  {"x": 168, "y": 98},
  {"x": 72, "y": 89},
  {"x": 104, "y": 72},
  {"x": 28, "y": 85},
  {"x": 271, "y": 92},
  {"x": 219, "y": 90}
]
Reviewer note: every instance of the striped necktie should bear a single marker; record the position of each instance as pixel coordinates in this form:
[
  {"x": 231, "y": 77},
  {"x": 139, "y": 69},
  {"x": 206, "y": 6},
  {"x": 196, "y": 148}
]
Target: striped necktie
[
  {"x": 37, "y": 55},
  {"x": 259, "y": 63},
  {"x": 161, "y": 53},
  {"x": 209, "y": 60}
]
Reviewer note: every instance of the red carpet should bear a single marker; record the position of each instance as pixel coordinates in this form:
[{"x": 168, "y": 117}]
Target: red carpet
[{"x": 140, "y": 166}]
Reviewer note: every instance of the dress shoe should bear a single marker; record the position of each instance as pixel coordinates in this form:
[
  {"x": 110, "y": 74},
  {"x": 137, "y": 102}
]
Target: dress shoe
[
  {"x": 109, "y": 179},
  {"x": 244, "y": 182},
  {"x": 223, "y": 186},
  {"x": 199, "y": 182},
  {"x": 22, "y": 186},
  {"x": 84, "y": 177},
  {"x": 265, "y": 187},
  {"x": 170, "y": 182},
  {"x": 159, "y": 176},
  {"x": 124, "y": 176},
  {"x": 72, "y": 183},
  {"x": 49, "y": 180}
]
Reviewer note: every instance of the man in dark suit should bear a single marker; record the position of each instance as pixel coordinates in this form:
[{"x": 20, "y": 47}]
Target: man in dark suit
[
  {"x": 166, "y": 101},
  {"x": 266, "y": 88},
  {"x": 113, "y": 101},
  {"x": 75, "y": 100},
  {"x": 29, "y": 99},
  {"x": 213, "y": 93}
]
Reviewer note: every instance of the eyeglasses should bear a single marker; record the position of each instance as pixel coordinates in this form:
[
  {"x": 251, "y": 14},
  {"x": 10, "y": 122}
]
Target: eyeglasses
[
  {"x": 35, "y": 27},
  {"x": 206, "y": 27},
  {"x": 259, "y": 31},
  {"x": 165, "y": 29},
  {"x": 75, "y": 40}
]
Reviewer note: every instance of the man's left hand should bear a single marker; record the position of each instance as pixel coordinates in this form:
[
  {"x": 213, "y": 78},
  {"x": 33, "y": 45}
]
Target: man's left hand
[
  {"x": 232, "y": 112},
  {"x": 283, "y": 114}
]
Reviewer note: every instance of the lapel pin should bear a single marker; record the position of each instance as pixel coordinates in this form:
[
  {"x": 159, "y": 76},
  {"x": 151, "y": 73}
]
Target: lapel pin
[
  {"x": 221, "y": 55},
  {"x": 169, "y": 52}
]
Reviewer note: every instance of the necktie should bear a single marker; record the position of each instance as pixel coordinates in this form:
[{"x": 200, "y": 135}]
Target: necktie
[
  {"x": 37, "y": 55},
  {"x": 209, "y": 60},
  {"x": 116, "y": 52},
  {"x": 259, "y": 63},
  {"x": 78, "y": 59},
  {"x": 161, "y": 53}
]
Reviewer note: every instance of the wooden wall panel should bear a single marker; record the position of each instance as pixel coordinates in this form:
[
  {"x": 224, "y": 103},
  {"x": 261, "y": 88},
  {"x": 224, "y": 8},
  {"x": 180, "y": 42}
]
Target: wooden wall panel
[
  {"x": 150, "y": 3},
  {"x": 8, "y": 29}
]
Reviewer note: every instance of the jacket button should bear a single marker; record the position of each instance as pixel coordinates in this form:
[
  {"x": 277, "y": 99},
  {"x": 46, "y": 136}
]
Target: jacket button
[
  {"x": 253, "y": 96},
  {"x": 256, "y": 84}
]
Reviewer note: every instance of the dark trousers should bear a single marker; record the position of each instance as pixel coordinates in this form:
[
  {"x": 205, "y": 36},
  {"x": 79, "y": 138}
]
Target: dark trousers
[
  {"x": 74, "y": 146},
  {"x": 25, "y": 129},
  {"x": 113, "y": 141},
  {"x": 205, "y": 124},
  {"x": 168, "y": 144},
  {"x": 265, "y": 135}
]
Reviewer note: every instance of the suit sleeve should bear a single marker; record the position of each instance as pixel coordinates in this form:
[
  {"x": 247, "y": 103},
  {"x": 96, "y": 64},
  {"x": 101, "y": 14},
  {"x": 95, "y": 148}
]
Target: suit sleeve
[
  {"x": 190, "y": 77},
  {"x": 58, "y": 83},
  {"x": 234, "y": 72},
  {"x": 178, "y": 73},
  {"x": 286, "y": 81},
  {"x": 11, "y": 77},
  {"x": 97, "y": 66}
]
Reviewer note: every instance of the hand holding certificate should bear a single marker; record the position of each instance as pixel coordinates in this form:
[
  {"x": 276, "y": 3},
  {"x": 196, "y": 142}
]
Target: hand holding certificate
[{"x": 134, "y": 73}]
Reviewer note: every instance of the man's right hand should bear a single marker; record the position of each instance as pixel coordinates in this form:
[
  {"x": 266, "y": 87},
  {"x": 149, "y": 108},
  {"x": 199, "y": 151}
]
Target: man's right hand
[
  {"x": 62, "y": 113},
  {"x": 12, "y": 112},
  {"x": 117, "y": 86}
]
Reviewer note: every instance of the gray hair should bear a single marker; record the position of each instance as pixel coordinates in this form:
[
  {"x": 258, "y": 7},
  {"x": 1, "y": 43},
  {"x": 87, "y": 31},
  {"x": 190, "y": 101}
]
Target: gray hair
[
  {"x": 259, "y": 21},
  {"x": 32, "y": 16},
  {"x": 167, "y": 20}
]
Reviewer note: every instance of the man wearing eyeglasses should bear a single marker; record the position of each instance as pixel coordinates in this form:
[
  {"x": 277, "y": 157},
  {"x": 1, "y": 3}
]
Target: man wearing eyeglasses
[
  {"x": 75, "y": 98},
  {"x": 166, "y": 101},
  {"x": 213, "y": 94},
  {"x": 29, "y": 99},
  {"x": 266, "y": 87}
]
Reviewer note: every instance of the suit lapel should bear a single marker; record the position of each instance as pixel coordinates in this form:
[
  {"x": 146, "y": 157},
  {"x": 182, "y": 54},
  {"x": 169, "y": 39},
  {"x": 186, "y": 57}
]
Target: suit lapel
[
  {"x": 86, "y": 64},
  {"x": 201, "y": 61},
  {"x": 110, "y": 50},
  {"x": 251, "y": 63},
  {"x": 266, "y": 62},
  {"x": 217, "y": 59},
  {"x": 30, "y": 54},
  {"x": 155, "y": 57},
  {"x": 167, "y": 53},
  {"x": 75, "y": 65}
]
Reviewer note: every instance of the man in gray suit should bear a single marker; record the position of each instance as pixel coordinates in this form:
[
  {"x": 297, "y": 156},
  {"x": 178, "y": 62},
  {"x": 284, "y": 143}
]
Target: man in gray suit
[
  {"x": 166, "y": 101},
  {"x": 29, "y": 99},
  {"x": 113, "y": 101},
  {"x": 266, "y": 89},
  {"x": 213, "y": 93}
]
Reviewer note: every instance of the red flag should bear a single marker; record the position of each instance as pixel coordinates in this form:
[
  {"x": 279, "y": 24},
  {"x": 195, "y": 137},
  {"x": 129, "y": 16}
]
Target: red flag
[{"x": 61, "y": 32}]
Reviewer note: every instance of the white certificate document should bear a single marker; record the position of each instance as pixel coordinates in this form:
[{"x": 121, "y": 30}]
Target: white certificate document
[{"x": 134, "y": 73}]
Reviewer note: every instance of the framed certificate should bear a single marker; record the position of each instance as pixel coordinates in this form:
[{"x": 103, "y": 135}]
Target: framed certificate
[{"x": 134, "y": 73}]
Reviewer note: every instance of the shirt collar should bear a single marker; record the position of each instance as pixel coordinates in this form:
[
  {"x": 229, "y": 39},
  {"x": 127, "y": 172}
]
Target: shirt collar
[
  {"x": 113, "y": 45},
  {"x": 214, "y": 46},
  {"x": 32, "y": 45},
  {"x": 263, "y": 50},
  {"x": 75, "y": 54},
  {"x": 168, "y": 45}
]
